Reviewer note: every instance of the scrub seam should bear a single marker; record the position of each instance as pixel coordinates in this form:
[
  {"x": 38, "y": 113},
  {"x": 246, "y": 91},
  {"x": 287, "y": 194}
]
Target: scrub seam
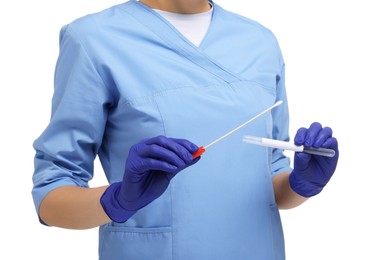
[
  {"x": 161, "y": 116},
  {"x": 151, "y": 97},
  {"x": 112, "y": 92},
  {"x": 269, "y": 160},
  {"x": 170, "y": 186}
]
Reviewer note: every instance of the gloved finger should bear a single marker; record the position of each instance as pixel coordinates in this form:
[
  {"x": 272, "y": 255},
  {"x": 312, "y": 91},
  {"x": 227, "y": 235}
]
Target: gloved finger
[
  {"x": 141, "y": 151},
  {"x": 151, "y": 164},
  {"x": 332, "y": 143},
  {"x": 170, "y": 144},
  {"x": 163, "y": 154},
  {"x": 312, "y": 133},
  {"x": 300, "y": 136},
  {"x": 322, "y": 136},
  {"x": 191, "y": 147}
]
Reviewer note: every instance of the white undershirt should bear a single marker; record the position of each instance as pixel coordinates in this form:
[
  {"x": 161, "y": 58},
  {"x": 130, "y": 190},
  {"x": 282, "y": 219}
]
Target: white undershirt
[{"x": 193, "y": 26}]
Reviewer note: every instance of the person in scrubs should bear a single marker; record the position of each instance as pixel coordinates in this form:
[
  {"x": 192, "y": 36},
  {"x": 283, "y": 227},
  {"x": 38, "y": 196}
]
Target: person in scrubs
[{"x": 141, "y": 85}]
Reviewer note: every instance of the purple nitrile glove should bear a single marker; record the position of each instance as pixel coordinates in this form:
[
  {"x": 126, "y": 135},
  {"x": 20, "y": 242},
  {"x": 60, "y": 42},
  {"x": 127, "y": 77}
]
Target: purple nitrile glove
[
  {"x": 312, "y": 172},
  {"x": 150, "y": 166}
]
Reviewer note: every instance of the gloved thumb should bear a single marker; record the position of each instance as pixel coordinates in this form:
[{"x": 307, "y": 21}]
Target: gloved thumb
[{"x": 301, "y": 161}]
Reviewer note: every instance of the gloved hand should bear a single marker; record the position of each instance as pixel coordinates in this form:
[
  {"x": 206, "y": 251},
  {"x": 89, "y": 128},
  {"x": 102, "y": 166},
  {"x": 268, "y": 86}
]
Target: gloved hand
[
  {"x": 312, "y": 172},
  {"x": 150, "y": 166}
]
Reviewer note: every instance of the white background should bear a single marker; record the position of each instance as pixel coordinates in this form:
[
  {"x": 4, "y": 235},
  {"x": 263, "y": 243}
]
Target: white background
[{"x": 323, "y": 43}]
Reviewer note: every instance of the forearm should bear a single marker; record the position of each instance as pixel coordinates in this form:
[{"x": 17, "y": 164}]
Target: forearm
[
  {"x": 286, "y": 198},
  {"x": 74, "y": 208}
]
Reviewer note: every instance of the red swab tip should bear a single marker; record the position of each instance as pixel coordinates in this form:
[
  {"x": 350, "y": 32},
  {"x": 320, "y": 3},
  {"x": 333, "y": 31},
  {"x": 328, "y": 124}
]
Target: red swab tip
[{"x": 199, "y": 152}]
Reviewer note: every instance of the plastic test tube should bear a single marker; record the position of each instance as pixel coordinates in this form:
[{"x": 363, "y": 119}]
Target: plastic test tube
[{"x": 288, "y": 146}]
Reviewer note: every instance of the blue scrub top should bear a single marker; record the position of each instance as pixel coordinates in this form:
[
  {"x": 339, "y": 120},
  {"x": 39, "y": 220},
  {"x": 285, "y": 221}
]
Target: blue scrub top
[{"x": 125, "y": 74}]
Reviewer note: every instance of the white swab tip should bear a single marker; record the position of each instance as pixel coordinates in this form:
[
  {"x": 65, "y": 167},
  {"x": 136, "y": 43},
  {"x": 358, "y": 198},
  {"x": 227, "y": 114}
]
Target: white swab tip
[{"x": 279, "y": 102}]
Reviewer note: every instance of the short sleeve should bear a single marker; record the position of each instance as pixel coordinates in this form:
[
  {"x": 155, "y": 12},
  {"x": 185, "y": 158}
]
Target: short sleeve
[{"x": 66, "y": 150}]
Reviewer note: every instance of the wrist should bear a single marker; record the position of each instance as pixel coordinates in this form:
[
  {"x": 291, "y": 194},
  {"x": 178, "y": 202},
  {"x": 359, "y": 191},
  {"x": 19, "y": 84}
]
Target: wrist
[
  {"x": 302, "y": 187},
  {"x": 111, "y": 205}
]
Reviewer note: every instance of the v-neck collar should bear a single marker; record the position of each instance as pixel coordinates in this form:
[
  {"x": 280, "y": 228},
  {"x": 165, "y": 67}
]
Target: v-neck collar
[
  {"x": 177, "y": 41},
  {"x": 172, "y": 27},
  {"x": 193, "y": 26}
]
